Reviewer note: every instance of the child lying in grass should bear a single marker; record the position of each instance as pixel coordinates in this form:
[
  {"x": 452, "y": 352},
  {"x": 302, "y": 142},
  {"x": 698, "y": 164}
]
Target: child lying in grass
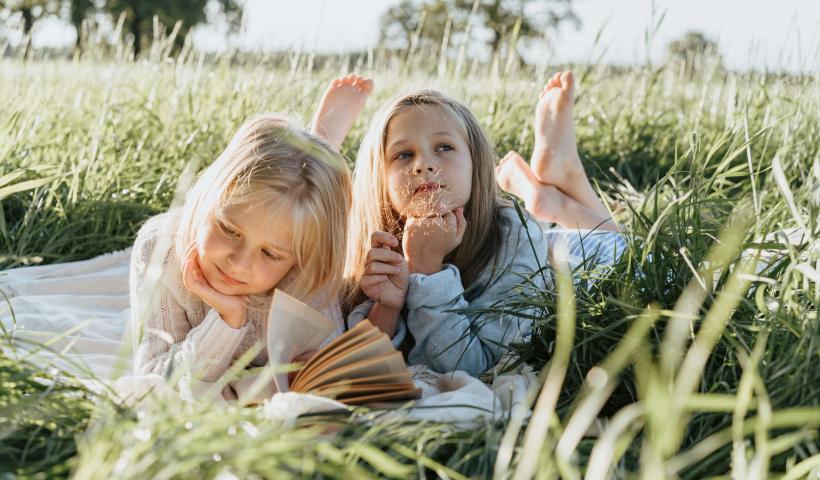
[
  {"x": 270, "y": 212},
  {"x": 430, "y": 238}
]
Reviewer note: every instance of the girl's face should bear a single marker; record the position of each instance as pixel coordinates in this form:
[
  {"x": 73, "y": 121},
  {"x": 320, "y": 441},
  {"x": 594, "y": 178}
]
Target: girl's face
[
  {"x": 427, "y": 161},
  {"x": 239, "y": 255}
]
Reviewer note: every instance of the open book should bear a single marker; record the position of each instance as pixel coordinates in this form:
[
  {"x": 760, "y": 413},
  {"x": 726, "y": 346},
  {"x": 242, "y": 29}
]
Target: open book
[{"x": 360, "y": 366}]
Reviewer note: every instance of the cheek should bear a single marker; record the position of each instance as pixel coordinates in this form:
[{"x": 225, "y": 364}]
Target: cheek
[
  {"x": 272, "y": 274},
  {"x": 398, "y": 188},
  {"x": 461, "y": 180},
  {"x": 211, "y": 245}
]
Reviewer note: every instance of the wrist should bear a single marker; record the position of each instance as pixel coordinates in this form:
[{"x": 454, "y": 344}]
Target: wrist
[
  {"x": 384, "y": 317},
  {"x": 425, "y": 266},
  {"x": 234, "y": 319}
]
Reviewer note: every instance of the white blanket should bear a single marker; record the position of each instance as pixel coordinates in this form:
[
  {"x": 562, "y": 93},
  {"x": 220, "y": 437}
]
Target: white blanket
[{"x": 80, "y": 310}]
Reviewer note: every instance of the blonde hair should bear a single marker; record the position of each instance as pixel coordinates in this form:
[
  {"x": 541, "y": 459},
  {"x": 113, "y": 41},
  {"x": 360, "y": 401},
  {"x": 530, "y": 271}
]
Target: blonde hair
[
  {"x": 373, "y": 211},
  {"x": 271, "y": 164}
]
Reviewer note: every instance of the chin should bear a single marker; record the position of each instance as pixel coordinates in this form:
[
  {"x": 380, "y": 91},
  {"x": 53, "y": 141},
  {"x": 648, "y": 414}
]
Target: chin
[{"x": 426, "y": 208}]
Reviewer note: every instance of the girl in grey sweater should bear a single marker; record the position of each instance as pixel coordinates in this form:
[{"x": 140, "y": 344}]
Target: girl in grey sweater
[
  {"x": 430, "y": 237},
  {"x": 433, "y": 250}
]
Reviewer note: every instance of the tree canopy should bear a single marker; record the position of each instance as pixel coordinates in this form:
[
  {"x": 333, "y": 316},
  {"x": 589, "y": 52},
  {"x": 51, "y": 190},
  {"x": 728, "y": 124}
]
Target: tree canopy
[
  {"x": 427, "y": 20},
  {"x": 138, "y": 14}
]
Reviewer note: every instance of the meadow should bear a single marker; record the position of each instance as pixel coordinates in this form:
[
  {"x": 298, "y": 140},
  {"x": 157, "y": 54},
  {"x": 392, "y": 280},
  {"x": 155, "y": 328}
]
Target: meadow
[{"x": 694, "y": 357}]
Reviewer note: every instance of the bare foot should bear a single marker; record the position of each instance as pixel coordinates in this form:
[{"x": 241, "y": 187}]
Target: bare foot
[
  {"x": 544, "y": 202},
  {"x": 341, "y": 104},
  {"x": 555, "y": 159},
  {"x": 547, "y": 203}
]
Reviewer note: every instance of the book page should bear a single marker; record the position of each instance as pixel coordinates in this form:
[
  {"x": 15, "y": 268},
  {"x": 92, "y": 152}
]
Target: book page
[
  {"x": 383, "y": 397},
  {"x": 380, "y": 365},
  {"x": 373, "y": 346},
  {"x": 293, "y": 328},
  {"x": 361, "y": 332},
  {"x": 340, "y": 392}
]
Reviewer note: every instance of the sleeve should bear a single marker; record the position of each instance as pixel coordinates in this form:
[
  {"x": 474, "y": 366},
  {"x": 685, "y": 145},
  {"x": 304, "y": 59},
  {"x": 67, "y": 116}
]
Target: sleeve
[
  {"x": 168, "y": 341},
  {"x": 447, "y": 338},
  {"x": 363, "y": 310}
]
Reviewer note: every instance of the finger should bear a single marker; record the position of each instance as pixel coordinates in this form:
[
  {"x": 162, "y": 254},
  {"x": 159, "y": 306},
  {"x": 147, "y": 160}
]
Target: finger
[
  {"x": 380, "y": 239},
  {"x": 383, "y": 255},
  {"x": 378, "y": 268},
  {"x": 370, "y": 281}
]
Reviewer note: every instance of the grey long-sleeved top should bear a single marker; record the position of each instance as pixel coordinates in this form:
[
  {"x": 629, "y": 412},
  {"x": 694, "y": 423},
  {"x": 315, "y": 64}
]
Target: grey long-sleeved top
[{"x": 447, "y": 339}]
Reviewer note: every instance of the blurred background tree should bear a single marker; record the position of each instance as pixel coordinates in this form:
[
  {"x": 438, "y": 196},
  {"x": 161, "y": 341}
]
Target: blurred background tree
[
  {"x": 692, "y": 51},
  {"x": 138, "y": 15},
  {"x": 427, "y": 20},
  {"x": 30, "y": 12}
]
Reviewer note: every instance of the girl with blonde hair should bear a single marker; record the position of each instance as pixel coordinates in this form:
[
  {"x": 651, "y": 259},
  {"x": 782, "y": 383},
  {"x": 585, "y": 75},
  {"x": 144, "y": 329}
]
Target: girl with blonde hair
[
  {"x": 430, "y": 237},
  {"x": 271, "y": 212}
]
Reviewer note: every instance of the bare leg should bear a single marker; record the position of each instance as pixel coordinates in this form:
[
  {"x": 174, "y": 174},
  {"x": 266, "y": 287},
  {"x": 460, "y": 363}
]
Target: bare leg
[
  {"x": 547, "y": 202},
  {"x": 555, "y": 159},
  {"x": 341, "y": 104}
]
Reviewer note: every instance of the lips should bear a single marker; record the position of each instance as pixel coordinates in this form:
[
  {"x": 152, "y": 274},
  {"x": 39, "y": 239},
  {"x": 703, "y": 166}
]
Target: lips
[
  {"x": 427, "y": 187},
  {"x": 227, "y": 278}
]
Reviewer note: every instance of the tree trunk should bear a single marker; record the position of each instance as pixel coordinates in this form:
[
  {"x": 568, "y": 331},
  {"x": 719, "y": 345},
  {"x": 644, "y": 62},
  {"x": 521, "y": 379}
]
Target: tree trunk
[
  {"x": 28, "y": 24},
  {"x": 137, "y": 33}
]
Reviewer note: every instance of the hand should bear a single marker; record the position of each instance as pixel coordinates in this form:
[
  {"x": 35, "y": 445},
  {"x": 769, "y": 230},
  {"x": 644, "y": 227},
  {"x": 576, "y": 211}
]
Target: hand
[
  {"x": 385, "y": 277},
  {"x": 427, "y": 240},
  {"x": 231, "y": 308}
]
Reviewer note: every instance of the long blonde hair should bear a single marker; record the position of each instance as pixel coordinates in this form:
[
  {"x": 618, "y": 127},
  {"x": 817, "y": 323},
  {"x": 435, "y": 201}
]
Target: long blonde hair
[
  {"x": 271, "y": 164},
  {"x": 372, "y": 210}
]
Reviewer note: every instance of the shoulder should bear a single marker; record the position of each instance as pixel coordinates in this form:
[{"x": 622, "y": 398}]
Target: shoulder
[
  {"x": 519, "y": 231},
  {"x": 156, "y": 233}
]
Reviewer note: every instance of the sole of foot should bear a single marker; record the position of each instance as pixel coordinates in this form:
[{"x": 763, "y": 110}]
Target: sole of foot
[
  {"x": 341, "y": 103},
  {"x": 555, "y": 158},
  {"x": 515, "y": 176}
]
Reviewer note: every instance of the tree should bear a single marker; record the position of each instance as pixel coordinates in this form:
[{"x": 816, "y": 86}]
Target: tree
[
  {"x": 139, "y": 15},
  {"x": 691, "y": 50},
  {"x": 78, "y": 11},
  {"x": 30, "y": 11},
  {"x": 534, "y": 18}
]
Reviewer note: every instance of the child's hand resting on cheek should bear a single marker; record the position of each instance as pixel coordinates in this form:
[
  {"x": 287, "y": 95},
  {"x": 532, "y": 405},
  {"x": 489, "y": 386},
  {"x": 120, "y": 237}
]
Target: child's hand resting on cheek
[
  {"x": 232, "y": 308},
  {"x": 428, "y": 240},
  {"x": 385, "y": 277}
]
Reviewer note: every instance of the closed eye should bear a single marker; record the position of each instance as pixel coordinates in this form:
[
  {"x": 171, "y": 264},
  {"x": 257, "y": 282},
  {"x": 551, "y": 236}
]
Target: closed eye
[
  {"x": 270, "y": 255},
  {"x": 227, "y": 230}
]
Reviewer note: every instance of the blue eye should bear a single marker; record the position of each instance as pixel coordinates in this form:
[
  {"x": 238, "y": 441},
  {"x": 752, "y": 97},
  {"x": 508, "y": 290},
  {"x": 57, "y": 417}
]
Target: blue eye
[
  {"x": 402, "y": 155},
  {"x": 446, "y": 147}
]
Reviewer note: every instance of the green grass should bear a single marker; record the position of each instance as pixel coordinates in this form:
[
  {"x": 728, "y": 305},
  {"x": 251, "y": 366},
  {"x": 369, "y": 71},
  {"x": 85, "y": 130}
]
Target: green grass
[{"x": 697, "y": 378}]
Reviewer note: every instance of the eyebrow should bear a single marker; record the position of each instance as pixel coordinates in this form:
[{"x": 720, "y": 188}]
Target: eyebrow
[
  {"x": 444, "y": 132},
  {"x": 397, "y": 143},
  {"x": 402, "y": 141}
]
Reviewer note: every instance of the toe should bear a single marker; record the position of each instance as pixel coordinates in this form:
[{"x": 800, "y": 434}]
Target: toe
[
  {"x": 367, "y": 85},
  {"x": 567, "y": 80}
]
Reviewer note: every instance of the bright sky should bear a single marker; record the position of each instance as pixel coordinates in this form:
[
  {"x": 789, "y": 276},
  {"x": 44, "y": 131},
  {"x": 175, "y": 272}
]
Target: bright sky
[{"x": 750, "y": 33}]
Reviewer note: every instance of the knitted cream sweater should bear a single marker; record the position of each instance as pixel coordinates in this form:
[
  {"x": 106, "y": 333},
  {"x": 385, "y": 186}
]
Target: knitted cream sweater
[{"x": 178, "y": 330}]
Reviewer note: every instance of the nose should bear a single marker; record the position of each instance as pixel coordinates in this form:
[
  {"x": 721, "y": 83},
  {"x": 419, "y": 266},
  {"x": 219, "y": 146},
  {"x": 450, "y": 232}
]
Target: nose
[
  {"x": 240, "y": 259},
  {"x": 424, "y": 162}
]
